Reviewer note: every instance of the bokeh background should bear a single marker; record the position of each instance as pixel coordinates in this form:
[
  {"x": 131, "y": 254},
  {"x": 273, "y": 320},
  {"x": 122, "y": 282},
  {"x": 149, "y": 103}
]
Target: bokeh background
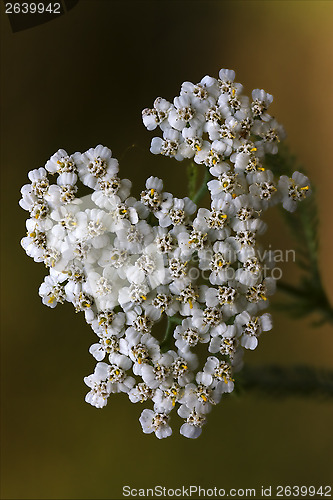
[{"x": 81, "y": 80}]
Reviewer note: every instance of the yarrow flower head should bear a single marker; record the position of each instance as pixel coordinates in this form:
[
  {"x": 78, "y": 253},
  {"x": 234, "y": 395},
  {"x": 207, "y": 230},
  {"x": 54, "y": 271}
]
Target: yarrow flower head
[{"x": 129, "y": 264}]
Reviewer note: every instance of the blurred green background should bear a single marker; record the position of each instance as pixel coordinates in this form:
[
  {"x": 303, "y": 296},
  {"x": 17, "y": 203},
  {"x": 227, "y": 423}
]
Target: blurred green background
[{"x": 81, "y": 80}]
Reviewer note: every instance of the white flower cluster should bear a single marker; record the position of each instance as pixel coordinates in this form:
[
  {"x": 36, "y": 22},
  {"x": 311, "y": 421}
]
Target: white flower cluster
[
  {"x": 137, "y": 267},
  {"x": 216, "y": 126}
]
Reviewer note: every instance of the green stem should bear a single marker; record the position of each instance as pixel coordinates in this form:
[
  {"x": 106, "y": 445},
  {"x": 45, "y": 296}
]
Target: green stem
[
  {"x": 192, "y": 175},
  {"x": 203, "y": 188},
  {"x": 165, "y": 344}
]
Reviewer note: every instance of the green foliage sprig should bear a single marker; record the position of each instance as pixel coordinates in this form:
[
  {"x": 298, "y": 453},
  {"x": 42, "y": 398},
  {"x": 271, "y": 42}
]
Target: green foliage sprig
[{"x": 309, "y": 295}]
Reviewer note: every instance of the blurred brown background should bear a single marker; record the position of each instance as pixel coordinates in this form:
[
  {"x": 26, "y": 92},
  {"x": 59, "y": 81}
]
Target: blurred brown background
[{"x": 81, "y": 80}]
